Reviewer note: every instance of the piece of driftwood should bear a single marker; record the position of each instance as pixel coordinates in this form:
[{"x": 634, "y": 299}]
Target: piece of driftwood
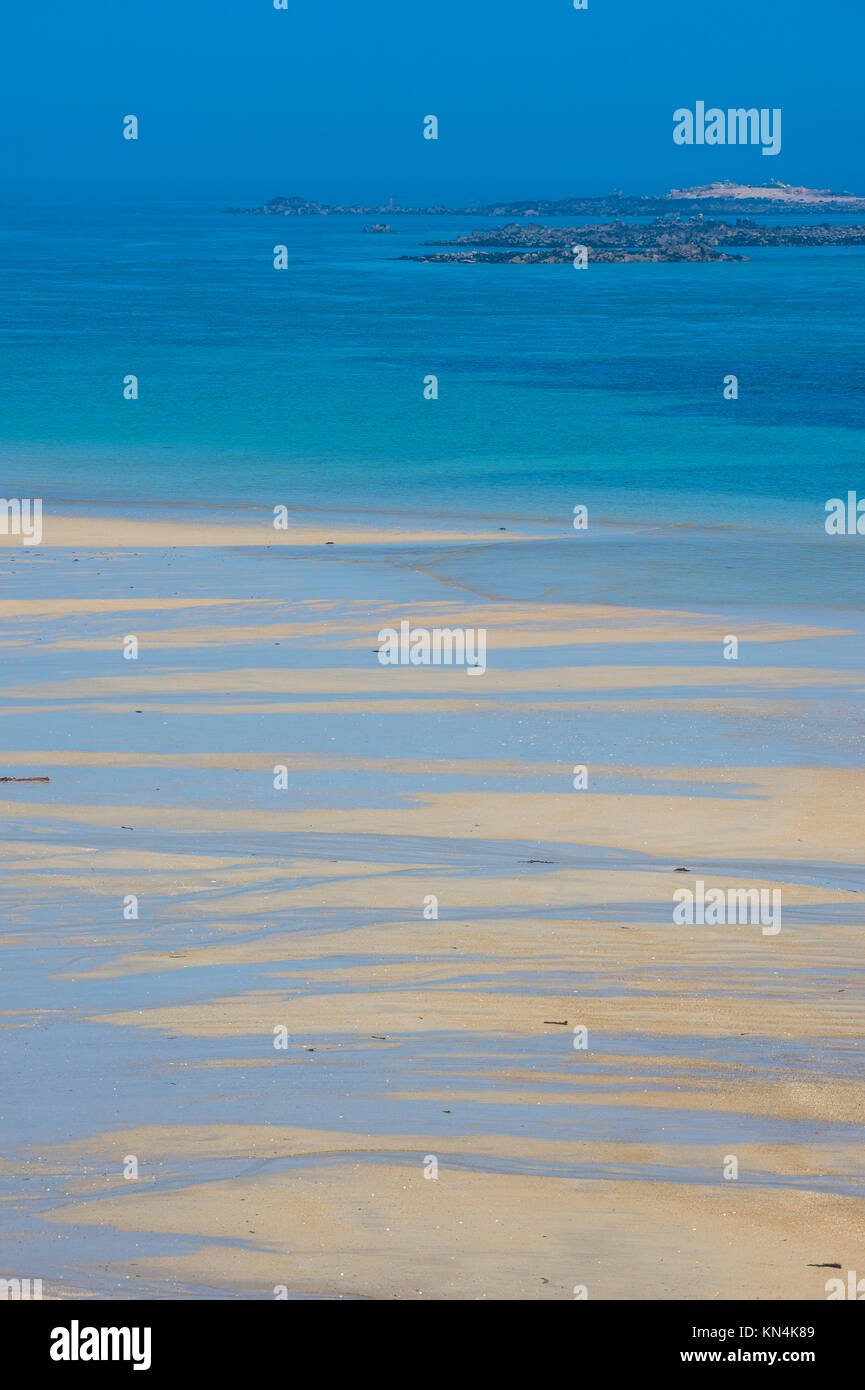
[{"x": 25, "y": 779}]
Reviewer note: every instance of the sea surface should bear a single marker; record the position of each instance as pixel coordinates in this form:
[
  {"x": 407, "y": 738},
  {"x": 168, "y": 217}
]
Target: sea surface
[{"x": 305, "y": 385}]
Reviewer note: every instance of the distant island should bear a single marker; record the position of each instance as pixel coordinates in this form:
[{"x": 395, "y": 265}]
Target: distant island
[
  {"x": 686, "y": 225},
  {"x": 669, "y": 238},
  {"x": 726, "y": 197}
]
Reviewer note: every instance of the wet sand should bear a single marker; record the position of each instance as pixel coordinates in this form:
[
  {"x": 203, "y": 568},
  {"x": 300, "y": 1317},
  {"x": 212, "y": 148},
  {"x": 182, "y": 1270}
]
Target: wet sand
[{"x": 295, "y": 916}]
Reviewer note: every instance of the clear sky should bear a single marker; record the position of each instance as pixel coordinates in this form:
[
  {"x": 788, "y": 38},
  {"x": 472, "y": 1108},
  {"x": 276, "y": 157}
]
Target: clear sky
[{"x": 238, "y": 101}]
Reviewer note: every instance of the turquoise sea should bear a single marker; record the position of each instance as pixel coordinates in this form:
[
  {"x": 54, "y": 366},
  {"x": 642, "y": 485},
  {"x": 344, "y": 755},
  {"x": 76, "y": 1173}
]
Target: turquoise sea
[{"x": 305, "y": 386}]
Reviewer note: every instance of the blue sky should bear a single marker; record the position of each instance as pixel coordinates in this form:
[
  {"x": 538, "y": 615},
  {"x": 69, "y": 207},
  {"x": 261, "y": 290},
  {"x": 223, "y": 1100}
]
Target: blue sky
[{"x": 238, "y": 101}]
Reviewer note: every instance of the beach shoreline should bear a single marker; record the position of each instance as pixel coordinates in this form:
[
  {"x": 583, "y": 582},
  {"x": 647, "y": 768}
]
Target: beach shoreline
[{"x": 297, "y": 907}]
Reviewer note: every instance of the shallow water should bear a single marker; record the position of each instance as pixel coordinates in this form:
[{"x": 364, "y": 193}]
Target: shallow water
[{"x": 307, "y": 390}]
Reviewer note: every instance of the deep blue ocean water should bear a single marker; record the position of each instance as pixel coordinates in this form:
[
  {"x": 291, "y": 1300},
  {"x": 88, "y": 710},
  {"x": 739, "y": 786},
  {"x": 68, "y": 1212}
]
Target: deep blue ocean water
[{"x": 305, "y": 386}]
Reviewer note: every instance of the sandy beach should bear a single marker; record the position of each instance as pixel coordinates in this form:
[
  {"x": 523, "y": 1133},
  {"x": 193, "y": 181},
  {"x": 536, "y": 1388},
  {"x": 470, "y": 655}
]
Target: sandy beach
[{"x": 380, "y": 1003}]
